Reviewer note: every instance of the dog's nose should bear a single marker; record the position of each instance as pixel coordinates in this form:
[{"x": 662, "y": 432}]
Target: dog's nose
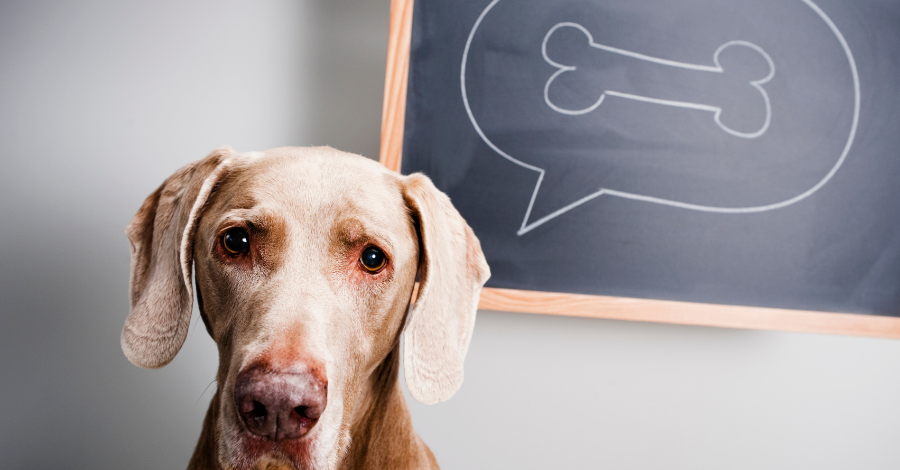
[{"x": 279, "y": 405}]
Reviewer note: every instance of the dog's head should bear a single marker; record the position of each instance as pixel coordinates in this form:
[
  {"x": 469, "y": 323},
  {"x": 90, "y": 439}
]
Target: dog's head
[{"x": 305, "y": 261}]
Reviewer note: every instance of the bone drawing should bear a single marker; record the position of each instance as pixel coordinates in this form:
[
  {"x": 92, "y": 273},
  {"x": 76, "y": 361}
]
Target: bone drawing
[{"x": 660, "y": 97}]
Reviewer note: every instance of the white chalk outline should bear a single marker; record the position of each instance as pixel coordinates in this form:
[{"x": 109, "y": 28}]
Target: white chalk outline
[
  {"x": 526, "y": 227},
  {"x": 717, "y": 111}
]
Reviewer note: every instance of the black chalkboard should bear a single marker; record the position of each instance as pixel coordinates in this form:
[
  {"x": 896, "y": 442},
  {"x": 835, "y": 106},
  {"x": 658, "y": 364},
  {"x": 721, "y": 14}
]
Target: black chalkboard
[{"x": 742, "y": 153}]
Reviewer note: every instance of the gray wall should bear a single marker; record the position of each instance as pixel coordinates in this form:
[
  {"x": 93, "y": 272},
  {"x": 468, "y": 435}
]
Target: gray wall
[{"x": 100, "y": 101}]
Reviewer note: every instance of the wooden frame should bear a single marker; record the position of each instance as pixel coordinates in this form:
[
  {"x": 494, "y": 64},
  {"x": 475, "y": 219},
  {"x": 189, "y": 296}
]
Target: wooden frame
[{"x": 618, "y": 308}]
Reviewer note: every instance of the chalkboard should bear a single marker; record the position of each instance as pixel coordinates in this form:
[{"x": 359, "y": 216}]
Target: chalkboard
[{"x": 719, "y": 153}]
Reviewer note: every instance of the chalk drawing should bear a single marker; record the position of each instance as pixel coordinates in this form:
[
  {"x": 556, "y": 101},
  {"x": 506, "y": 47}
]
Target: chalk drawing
[
  {"x": 528, "y": 225},
  {"x": 717, "y": 111}
]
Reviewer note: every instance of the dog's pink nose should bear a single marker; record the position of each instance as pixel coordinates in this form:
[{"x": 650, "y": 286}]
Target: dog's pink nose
[{"x": 279, "y": 405}]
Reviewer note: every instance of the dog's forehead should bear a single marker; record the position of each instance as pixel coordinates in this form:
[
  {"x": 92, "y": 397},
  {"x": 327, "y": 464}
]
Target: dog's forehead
[{"x": 320, "y": 184}]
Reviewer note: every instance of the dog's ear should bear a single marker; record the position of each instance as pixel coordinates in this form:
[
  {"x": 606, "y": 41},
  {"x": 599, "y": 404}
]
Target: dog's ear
[
  {"x": 453, "y": 270},
  {"x": 161, "y": 236}
]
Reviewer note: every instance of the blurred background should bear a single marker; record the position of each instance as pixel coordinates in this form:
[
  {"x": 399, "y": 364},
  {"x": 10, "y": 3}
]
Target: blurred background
[{"x": 100, "y": 101}]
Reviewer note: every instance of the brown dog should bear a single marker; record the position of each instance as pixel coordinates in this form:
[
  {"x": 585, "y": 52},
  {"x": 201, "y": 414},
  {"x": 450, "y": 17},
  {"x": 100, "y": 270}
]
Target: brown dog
[{"x": 306, "y": 259}]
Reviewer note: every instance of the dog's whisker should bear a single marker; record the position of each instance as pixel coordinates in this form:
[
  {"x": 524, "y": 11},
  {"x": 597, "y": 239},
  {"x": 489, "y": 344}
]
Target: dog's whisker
[{"x": 204, "y": 391}]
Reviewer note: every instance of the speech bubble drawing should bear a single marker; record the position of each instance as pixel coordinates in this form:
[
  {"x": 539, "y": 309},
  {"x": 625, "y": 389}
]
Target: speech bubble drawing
[{"x": 692, "y": 81}]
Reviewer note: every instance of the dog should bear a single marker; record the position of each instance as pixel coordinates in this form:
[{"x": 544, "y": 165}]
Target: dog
[{"x": 306, "y": 260}]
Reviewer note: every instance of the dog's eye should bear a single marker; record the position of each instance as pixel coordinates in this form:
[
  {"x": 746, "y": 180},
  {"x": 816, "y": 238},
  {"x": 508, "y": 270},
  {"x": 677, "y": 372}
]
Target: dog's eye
[
  {"x": 236, "y": 241},
  {"x": 373, "y": 259}
]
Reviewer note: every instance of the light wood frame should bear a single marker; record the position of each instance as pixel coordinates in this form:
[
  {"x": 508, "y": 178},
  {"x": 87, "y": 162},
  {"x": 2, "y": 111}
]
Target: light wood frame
[{"x": 618, "y": 308}]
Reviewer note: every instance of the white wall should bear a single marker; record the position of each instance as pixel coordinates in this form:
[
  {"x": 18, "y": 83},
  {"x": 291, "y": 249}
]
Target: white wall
[{"x": 100, "y": 101}]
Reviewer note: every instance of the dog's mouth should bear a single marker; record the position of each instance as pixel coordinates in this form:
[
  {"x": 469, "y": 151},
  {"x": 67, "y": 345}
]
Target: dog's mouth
[
  {"x": 254, "y": 452},
  {"x": 266, "y": 439}
]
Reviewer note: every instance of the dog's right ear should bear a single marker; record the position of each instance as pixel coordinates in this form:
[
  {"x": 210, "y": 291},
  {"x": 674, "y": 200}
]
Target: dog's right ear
[{"x": 161, "y": 236}]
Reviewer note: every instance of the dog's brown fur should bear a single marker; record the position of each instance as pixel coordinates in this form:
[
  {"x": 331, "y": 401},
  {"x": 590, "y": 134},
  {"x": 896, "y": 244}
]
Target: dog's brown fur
[{"x": 300, "y": 299}]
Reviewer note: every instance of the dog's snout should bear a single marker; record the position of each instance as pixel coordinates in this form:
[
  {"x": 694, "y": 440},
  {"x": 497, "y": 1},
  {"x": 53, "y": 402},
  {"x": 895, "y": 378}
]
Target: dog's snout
[{"x": 279, "y": 405}]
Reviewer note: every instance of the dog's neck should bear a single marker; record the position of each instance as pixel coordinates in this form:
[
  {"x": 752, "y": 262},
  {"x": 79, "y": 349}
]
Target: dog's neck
[
  {"x": 206, "y": 454},
  {"x": 381, "y": 431}
]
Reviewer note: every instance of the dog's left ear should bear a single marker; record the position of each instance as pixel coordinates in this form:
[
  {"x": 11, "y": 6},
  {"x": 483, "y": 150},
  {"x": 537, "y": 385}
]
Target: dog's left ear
[{"x": 453, "y": 270}]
